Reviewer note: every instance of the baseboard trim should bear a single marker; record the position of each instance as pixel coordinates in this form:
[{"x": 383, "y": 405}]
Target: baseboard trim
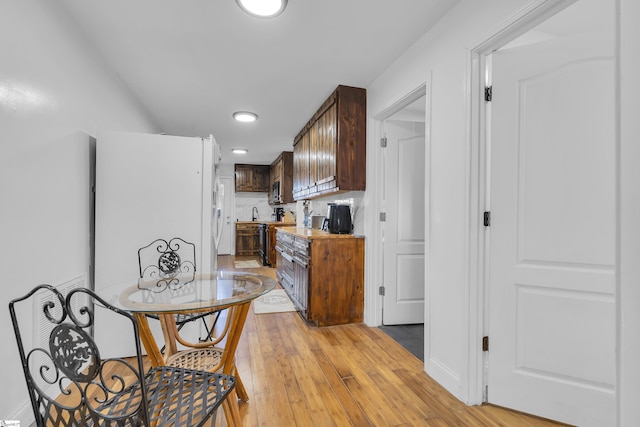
[
  {"x": 445, "y": 377},
  {"x": 25, "y": 415}
]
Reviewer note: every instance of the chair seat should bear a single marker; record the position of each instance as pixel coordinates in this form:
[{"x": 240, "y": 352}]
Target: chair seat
[
  {"x": 168, "y": 403},
  {"x": 203, "y": 359},
  {"x": 206, "y": 359}
]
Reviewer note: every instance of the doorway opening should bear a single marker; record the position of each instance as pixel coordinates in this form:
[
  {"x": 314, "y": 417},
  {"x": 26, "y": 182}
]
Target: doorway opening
[{"x": 403, "y": 223}]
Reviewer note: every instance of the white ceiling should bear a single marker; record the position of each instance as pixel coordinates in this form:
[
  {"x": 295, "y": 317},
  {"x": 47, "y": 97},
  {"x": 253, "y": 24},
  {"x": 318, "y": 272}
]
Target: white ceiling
[{"x": 192, "y": 63}]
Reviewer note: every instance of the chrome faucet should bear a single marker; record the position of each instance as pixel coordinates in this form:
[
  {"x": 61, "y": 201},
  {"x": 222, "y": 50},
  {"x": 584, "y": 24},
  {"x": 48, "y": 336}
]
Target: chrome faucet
[{"x": 254, "y": 214}]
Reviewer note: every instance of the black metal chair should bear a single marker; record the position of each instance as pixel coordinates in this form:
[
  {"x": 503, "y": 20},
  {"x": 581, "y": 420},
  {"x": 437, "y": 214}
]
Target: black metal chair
[
  {"x": 69, "y": 384},
  {"x": 172, "y": 264}
]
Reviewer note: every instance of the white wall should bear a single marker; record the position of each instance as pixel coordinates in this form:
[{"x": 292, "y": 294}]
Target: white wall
[
  {"x": 629, "y": 197},
  {"x": 54, "y": 93},
  {"x": 440, "y": 58}
]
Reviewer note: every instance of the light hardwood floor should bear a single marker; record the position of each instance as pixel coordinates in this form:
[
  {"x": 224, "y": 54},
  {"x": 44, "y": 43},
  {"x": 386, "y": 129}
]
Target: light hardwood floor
[{"x": 298, "y": 375}]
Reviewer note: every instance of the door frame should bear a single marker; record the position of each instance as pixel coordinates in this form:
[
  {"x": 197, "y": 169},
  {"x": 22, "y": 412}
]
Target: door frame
[
  {"x": 373, "y": 300},
  {"x": 478, "y": 133}
]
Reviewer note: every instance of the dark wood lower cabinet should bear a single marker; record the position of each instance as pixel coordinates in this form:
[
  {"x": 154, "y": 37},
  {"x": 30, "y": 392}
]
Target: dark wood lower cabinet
[
  {"x": 247, "y": 239},
  {"x": 271, "y": 240},
  {"x": 323, "y": 274}
]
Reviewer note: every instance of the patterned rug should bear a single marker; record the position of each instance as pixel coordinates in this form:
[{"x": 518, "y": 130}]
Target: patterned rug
[
  {"x": 275, "y": 301},
  {"x": 246, "y": 264}
]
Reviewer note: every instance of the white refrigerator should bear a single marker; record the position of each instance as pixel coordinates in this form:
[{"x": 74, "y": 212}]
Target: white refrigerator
[{"x": 150, "y": 187}]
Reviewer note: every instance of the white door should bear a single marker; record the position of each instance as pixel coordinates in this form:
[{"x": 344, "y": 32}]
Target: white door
[
  {"x": 225, "y": 242},
  {"x": 552, "y": 234},
  {"x": 404, "y": 228}
]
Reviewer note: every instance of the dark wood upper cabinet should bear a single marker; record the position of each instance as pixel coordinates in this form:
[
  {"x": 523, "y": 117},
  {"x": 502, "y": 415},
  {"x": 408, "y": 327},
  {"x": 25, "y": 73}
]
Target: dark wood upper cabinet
[
  {"x": 252, "y": 178},
  {"x": 329, "y": 153},
  {"x": 281, "y": 189}
]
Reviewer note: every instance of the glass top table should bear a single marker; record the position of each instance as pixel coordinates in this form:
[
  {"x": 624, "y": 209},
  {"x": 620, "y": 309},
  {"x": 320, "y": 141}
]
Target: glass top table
[
  {"x": 187, "y": 293},
  {"x": 169, "y": 295}
]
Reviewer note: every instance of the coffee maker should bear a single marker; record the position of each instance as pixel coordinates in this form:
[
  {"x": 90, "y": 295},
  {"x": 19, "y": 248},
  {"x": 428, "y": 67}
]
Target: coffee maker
[
  {"x": 279, "y": 213},
  {"x": 339, "y": 219}
]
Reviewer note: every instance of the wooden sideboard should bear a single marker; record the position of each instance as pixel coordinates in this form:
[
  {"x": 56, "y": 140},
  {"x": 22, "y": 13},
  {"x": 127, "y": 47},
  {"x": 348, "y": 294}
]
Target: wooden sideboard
[{"x": 323, "y": 274}]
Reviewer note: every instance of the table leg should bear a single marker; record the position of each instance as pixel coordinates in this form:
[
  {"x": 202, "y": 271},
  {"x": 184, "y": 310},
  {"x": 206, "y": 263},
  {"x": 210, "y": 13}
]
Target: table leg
[
  {"x": 148, "y": 341},
  {"x": 240, "y": 390},
  {"x": 169, "y": 331},
  {"x": 231, "y": 409},
  {"x": 238, "y": 317}
]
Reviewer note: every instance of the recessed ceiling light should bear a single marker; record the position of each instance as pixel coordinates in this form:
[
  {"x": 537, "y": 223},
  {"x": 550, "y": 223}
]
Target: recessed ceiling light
[
  {"x": 263, "y": 8},
  {"x": 245, "y": 116},
  {"x": 239, "y": 150}
]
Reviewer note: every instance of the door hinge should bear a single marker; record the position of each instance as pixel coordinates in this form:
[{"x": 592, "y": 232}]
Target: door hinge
[
  {"x": 488, "y": 93},
  {"x": 383, "y": 142},
  {"x": 383, "y": 216},
  {"x": 487, "y": 218},
  {"x": 485, "y": 343},
  {"x": 381, "y": 290}
]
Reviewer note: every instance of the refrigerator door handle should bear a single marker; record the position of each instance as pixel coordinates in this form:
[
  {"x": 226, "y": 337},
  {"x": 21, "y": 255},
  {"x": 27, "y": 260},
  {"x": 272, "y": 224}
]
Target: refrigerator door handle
[{"x": 219, "y": 212}]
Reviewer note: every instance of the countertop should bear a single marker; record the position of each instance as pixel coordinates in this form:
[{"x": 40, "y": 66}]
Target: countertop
[
  {"x": 258, "y": 222},
  {"x": 312, "y": 233}
]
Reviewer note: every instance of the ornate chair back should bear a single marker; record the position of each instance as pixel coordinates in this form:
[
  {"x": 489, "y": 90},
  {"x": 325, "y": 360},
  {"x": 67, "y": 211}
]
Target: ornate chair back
[
  {"x": 167, "y": 260},
  {"x": 69, "y": 384}
]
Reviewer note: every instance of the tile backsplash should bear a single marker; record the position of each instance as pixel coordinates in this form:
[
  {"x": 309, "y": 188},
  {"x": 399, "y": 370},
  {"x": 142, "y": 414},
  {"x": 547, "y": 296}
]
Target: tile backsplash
[
  {"x": 319, "y": 207},
  {"x": 245, "y": 202}
]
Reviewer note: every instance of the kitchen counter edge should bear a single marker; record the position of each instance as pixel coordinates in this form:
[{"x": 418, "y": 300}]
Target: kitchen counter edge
[
  {"x": 258, "y": 222},
  {"x": 312, "y": 233}
]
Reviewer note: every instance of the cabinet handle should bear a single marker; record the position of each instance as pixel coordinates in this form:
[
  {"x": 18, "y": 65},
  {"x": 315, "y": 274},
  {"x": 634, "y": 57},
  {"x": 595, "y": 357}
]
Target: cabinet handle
[
  {"x": 287, "y": 256},
  {"x": 300, "y": 262},
  {"x": 327, "y": 179}
]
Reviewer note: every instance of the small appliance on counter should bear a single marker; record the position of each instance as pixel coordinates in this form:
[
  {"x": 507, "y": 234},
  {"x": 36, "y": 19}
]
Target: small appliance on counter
[
  {"x": 339, "y": 219},
  {"x": 279, "y": 213},
  {"x": 317, "y": 221},
  {"x": 289, "y": 217}
]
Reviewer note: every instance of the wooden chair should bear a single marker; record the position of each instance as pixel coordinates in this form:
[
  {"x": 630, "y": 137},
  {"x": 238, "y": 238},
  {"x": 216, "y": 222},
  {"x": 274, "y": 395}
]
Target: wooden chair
[
  {"x": 69, "y": 384},
  {"x": 173, "y": 264}
]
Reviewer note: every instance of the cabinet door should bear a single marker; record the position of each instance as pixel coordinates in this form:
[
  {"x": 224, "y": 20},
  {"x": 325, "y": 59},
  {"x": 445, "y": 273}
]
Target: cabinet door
[
  {"x": 275, "y": 175},
  {"x": 326, "y": 156},
  {"x": 244, "y": 177},
  {"x": 297, "y": 167},
  {"x": 247, "y": 239},
  {"x": 276, "y": 170},
  {"x": 301, "y": 166},
  {"x": 252, "y": 178},
  {"x": 279, "y": 265},
  {"x": 260, "y": 178},
  {"x": 286, "y": 195},
  {"x": 315, "y": 135},
  {"x": 301, "y": 286}
]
